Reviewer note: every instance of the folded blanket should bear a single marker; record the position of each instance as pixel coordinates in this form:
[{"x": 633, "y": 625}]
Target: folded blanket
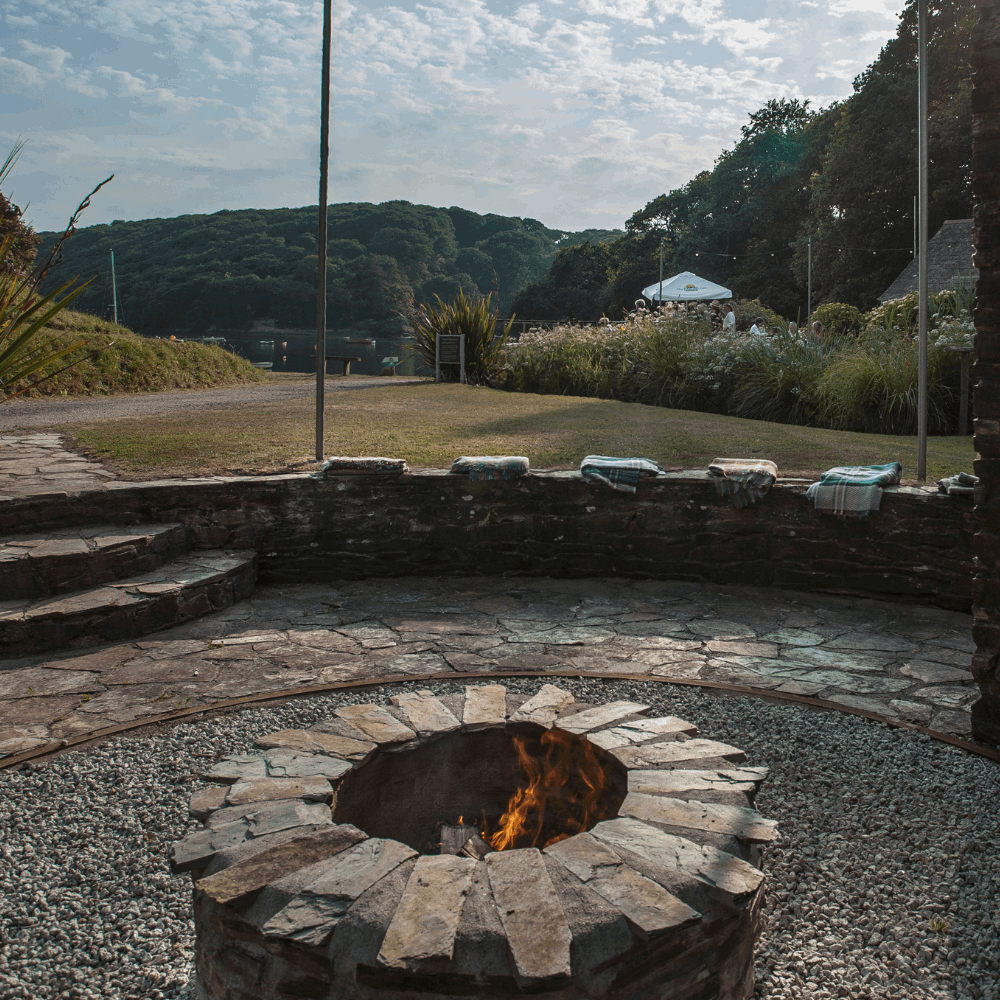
[
  {"x": 853, "y": 489},
  {"x": 367, "y": 465},
  {"x": 618, "y": 473},
  {"x": 743, "y": 480},
  {"x": 962, "y": 485},
  {"x": 491, "y": 466}
]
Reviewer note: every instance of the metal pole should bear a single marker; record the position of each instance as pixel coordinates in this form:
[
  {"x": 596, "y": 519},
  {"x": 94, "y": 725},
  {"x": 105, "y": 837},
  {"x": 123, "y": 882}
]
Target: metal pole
[
  {"x": 324, "y": 164},
  {"x": 914, "y": 227},
  {"x": 660, "y": 299},
  {"x": 809, "y": 293},
  {"x": 922, "y": 239},
  {"x": 114, "y": 289}
]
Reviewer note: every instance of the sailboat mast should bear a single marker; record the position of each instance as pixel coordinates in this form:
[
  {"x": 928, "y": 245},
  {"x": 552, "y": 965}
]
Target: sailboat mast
[{"x": 114, "y": 288}]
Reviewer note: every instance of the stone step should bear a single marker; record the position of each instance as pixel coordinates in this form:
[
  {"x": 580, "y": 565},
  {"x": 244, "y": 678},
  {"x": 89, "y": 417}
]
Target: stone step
[
  {"x": 186, "y": 587},
  {"x": 70, "y": 559}
]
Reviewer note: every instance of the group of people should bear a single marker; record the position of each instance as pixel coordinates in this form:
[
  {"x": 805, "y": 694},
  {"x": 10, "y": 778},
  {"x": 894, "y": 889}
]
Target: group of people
[
  {"x": 722, "y": 317},
  {"x": 723, "y": 320}
]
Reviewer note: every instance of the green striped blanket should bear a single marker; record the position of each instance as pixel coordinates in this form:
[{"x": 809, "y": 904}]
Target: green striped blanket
[
  {"x": 618, "y": 473},
  {"x": 854, "y": 489},
  {"x": 962, "y": 485}
]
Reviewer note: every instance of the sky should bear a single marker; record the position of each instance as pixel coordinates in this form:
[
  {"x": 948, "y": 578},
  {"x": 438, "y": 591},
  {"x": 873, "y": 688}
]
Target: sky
[{"x": 573, "y": 112}]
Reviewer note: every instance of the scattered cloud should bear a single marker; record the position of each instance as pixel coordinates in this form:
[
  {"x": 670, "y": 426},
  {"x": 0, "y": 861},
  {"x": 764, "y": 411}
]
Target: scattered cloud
[{"x": 573, "y": 111}]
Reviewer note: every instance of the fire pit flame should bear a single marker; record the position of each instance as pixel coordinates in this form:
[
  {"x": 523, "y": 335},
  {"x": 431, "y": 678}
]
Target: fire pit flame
[{"x": 564, "y": 795}]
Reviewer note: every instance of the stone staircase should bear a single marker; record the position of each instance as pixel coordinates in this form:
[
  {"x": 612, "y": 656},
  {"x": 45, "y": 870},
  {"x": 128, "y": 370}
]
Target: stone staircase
[{"x": 82, "y": 586}]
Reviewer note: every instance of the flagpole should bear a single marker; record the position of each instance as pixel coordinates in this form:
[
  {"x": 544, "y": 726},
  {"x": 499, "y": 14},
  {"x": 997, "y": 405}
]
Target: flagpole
[
  {"x": 922, "y": 239},
  {"x": 659, "y": 301},
  {"x": 321, "y": 238}
]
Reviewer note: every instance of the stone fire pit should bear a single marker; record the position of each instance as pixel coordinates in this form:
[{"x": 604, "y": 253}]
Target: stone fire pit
[{"x": 334, "y": 864}]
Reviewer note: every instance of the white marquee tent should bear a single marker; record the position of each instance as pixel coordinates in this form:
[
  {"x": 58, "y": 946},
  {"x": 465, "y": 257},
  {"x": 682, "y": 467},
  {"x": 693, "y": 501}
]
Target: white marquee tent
[{"x": 686, "y": 287}]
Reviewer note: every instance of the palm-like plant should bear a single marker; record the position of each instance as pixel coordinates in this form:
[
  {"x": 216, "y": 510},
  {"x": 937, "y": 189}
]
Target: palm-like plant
[
  {"x": 473, "y": 318},
  {"x": 24, "y": 311}
]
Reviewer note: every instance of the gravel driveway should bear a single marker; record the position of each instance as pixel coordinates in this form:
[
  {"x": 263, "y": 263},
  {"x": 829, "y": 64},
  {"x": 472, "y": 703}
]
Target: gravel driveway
[{"x": 31, "y": 414}]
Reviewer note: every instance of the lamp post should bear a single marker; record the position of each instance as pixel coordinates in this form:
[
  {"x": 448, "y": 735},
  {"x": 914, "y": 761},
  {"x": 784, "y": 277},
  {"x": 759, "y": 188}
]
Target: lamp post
[
  {"x": 809, "y": 287},
  {"x": 324, "y": 164},
  {"x": 922, "y": 188}
]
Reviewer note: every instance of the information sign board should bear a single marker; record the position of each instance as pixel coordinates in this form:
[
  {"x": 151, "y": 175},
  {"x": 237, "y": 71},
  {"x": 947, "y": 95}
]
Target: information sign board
[{"x": 450, "y": 350}]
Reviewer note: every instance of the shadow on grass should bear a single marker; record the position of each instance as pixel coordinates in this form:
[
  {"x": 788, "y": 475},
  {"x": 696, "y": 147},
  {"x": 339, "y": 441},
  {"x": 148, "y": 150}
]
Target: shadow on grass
[{"x": 687, "y": 439}]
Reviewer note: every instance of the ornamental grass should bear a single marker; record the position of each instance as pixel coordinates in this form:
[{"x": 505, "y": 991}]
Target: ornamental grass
[{"x": 864, "y": 382}]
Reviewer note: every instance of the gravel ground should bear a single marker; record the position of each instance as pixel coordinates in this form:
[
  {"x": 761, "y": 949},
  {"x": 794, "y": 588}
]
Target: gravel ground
[
  {"x": 893, "y": 895},
  {"x": 25, "y": 414}
]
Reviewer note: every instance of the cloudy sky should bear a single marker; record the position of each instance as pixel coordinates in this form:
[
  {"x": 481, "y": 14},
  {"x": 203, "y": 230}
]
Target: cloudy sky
[{"x": 574, "y": 112}]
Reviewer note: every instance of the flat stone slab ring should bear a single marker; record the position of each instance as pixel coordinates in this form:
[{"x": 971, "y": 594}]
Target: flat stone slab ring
[{"x": 479, "y": 844}]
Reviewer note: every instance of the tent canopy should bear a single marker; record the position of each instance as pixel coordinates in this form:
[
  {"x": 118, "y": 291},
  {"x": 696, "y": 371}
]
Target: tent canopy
[{"x": 686, "y": 287}]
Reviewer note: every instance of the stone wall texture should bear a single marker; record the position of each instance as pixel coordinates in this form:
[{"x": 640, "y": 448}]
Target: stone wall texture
[
  {"x": 986, "y": 401},
  {"x": 918, "y": 546}
]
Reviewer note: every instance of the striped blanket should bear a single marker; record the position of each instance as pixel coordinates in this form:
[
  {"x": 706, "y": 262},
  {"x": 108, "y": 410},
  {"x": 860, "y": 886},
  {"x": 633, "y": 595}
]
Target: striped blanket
[
  {"x": 853, "y": 489},
  {"x": 618, "y": 473},
  {"x": 962, "y": 485},
  {"x": 337, "y": 464},
  {"x": 479, "y": 467},
  {"x": 743, "y": 480}
]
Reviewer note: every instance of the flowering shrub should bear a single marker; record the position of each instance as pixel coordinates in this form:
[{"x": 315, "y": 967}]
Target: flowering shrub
[
  {"x": 672, "y": 358},
  {"x": 838, "y": 318},
  {"x": 899, "y": 317}
]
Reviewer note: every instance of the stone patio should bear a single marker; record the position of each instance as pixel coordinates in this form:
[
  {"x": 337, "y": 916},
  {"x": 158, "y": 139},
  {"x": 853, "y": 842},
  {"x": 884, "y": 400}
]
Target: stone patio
[
  {"x": 899, "y": 660},
  {"x": 904, "y": 661},
  {"x": 35, "y": 463}
]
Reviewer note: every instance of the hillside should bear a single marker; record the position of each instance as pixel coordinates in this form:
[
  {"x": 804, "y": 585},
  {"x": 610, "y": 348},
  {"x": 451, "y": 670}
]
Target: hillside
[
  {"x": 132, "y": 363},
  {"x": 226, "y": 270}
]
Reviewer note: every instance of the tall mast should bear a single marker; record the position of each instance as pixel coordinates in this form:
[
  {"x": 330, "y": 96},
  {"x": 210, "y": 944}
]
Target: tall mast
[{"x": 114, "y": 288}]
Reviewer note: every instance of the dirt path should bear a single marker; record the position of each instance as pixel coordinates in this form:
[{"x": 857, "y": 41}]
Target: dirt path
[{"x": 33, "y": 414}]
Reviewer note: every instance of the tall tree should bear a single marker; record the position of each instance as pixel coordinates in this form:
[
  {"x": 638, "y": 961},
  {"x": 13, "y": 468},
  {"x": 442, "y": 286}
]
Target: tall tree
[{"x": 862, "y": 198}]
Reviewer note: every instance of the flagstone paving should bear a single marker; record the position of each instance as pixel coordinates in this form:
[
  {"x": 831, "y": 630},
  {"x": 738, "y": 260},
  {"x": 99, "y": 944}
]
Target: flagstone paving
[
  {"x": 904, "y": 661},
  {"x": 39, "y": 463}
]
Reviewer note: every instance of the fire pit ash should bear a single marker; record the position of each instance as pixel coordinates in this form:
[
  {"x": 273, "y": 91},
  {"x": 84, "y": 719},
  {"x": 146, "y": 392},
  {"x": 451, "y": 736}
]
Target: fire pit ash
[{"x": 479, "y": 844}]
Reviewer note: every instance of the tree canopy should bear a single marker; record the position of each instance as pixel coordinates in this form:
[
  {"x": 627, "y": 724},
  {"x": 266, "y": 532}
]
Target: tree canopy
[{"x": 845, "y": 175}]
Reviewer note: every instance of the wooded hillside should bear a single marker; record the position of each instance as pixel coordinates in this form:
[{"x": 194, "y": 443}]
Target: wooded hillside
[{"x": 227, "y": 269}]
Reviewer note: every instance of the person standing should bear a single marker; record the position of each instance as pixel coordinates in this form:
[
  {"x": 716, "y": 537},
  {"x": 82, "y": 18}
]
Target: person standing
[
  {"x": 715, "y": 316},
  {"x": 728, "y": 319}
]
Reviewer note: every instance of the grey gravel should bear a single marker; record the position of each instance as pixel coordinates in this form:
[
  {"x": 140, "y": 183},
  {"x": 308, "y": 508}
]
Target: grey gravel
[
  {"x": 884, "y": 884},
  {"x": 35, "y": 413}
]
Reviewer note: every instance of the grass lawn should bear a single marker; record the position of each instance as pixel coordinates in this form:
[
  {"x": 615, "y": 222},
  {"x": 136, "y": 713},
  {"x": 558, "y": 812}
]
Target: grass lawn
[{"x": 431, "y": 425}]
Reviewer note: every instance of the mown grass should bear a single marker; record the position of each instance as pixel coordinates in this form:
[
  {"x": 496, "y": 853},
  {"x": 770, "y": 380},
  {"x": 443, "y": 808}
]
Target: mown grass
[
  {"x": 431, "y": 425},
  {"x": 133, "y": 363}
]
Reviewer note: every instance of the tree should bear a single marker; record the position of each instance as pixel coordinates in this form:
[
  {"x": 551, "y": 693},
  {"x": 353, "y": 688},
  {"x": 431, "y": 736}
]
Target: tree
[
  {"x": 576, "y": 286},
  {"x": 862, "y": 197}
]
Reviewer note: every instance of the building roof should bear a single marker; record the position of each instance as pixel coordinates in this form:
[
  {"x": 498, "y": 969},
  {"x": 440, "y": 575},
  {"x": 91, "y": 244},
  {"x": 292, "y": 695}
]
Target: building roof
[{"x": 949, "y": 252}]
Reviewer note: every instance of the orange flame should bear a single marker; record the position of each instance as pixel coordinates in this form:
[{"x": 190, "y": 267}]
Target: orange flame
[{"x": 562, "y": 798}]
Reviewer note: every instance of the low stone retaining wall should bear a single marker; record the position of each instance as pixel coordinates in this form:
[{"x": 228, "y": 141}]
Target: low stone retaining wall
[{"x": 428, "y": 522}]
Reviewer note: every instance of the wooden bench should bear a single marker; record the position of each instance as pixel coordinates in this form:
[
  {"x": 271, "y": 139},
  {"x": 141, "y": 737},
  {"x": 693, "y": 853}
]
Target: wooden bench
[{"x": 338, "y": 357}]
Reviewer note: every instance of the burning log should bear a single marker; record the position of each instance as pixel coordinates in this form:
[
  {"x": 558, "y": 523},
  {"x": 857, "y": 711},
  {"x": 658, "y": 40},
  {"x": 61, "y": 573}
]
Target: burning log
[
  {"x": 476, "y": 847},
  {"x": 454, "y": 836}
]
